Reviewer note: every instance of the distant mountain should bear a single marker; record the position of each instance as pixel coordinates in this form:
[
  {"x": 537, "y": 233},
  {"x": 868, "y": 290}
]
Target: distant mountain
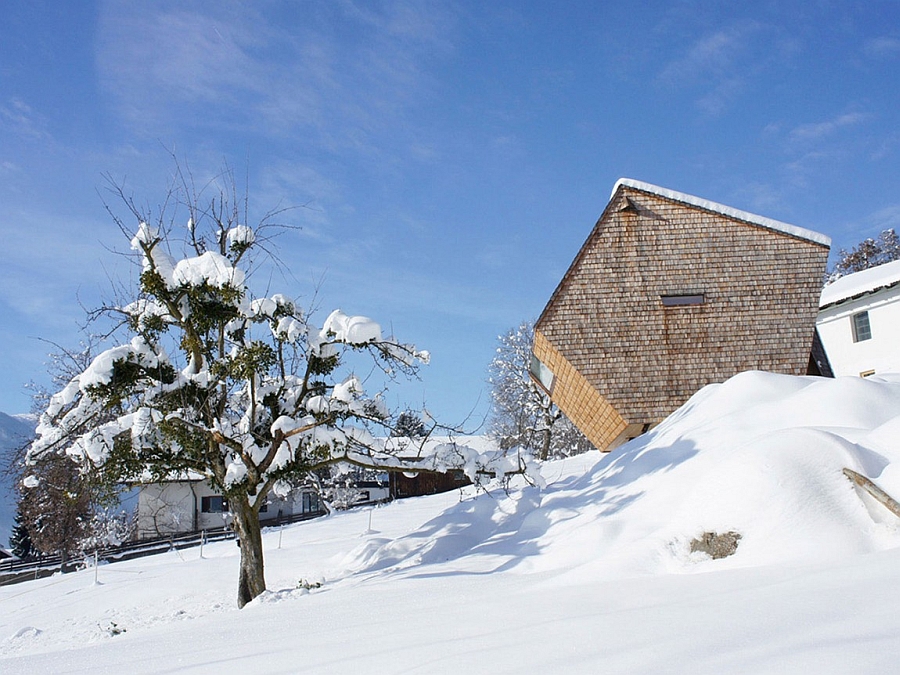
[{"x": 15, "y": 430}]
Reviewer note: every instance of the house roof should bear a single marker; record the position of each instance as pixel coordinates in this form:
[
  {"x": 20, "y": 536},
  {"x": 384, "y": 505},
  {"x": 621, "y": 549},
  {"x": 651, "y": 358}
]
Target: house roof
[
  {"x": 410, "y": 447},
  {"x": 860, "y": 283},
  {"x": 175, "y": 477},
  {"x": 737, "y": 214}
]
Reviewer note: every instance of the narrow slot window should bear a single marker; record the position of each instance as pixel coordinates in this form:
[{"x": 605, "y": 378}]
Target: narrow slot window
[{"x": 683, "y": 300}]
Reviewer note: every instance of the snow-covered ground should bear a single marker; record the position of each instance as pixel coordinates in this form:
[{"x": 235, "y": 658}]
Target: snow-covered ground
[{"x": 591, "y": 574}]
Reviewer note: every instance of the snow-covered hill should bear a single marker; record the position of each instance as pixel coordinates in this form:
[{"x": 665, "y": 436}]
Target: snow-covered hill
[
  {"x": 592, "y": 574},
  {"x": 15, "y": 430}
]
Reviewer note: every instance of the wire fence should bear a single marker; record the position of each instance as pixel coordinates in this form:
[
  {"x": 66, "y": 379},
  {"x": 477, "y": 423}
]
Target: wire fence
[{"x": 17, "y": 571}]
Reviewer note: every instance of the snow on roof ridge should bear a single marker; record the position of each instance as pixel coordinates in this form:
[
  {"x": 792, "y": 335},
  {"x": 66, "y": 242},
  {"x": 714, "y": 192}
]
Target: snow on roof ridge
[
  {"x": 729, "y": 211},
  {"x": 859, "y": 283}
]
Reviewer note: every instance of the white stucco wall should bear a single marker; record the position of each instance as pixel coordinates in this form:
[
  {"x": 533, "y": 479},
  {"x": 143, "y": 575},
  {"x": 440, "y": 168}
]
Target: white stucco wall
[
  {"x": 881, "y": 353},
  {"x": 164, "y": 509},
  {"x": 176, "y": 507}
]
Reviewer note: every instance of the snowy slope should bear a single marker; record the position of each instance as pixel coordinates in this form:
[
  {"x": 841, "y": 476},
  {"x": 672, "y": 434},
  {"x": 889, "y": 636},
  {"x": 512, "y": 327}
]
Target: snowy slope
[
  {"x": 14, "y": 431},
  {"x": 592, "y": 574}
]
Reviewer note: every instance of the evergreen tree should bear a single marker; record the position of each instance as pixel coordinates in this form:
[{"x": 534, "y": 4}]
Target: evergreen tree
[
  {"x": 20, "y": 539},
  {"x": 409, "y": 425}
]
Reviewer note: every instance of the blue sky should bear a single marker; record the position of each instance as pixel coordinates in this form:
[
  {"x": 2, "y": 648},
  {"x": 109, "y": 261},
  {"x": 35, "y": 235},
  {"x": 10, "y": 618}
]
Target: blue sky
[{"x": 450, "y": 157}]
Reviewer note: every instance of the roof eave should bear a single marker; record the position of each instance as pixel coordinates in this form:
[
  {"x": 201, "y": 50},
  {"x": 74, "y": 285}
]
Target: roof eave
[{"x": 861, "y": 294}]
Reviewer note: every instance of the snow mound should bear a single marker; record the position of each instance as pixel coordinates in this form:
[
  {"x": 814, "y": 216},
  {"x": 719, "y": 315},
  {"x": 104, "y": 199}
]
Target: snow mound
[{"x": 761, "y": 455}]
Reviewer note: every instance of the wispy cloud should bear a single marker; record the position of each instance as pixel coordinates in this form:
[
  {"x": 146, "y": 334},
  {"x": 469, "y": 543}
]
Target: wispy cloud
[
  {"x": 870, "y": 225},
  {"x": 714, "y": 64},
  {"x": 184, "y": 58},
  {"x": 315, "y": 198},
  {"x": 882, "y": 47},
  {"x": 887, "y": 218},
  {"x": 718, "y": 100},
  {"x": 885, "y": 147},
  {"x": 337, "y": 69},
  {"x": 813, "y": 150},
  {"x": 44, "y": 265},
  {"x": 711, "y": 55},
  {"x": 818, "y": 130},
  {"x": 17, "y": 118},
  {"x": 762, "y": 197}
]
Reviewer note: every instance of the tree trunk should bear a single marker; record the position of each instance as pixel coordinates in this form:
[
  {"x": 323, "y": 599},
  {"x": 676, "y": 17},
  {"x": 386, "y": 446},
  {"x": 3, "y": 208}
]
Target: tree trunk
[
  {"x": 545, "y": 440},
  {"x": 252, "y": 581}
]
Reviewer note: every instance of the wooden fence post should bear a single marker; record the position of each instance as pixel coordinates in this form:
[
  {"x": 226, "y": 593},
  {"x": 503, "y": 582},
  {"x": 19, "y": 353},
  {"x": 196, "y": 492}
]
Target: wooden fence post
[{"x": 876, "y": 492}]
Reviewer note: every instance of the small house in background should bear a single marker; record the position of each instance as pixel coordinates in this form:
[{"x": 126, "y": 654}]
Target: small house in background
[
  {"x": 189, "y": 504},
  {"x": 670, "y": 293},
  {"x": 859, "y": 321},
  {"x": 412, "y": 484},
  {"x": 418, "y": 484},
  {"x": 373, "y": 491}
]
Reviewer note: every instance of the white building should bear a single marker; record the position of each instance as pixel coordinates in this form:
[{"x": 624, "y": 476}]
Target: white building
[
  {"x": 859, "y": 322},
  {"x": 180, "y": 506}
]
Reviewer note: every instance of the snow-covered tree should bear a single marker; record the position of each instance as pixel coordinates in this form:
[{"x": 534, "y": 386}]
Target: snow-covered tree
[
  {"x": 204, "y": 376},
  {"x": 522, "y": 414},
  {"x": 64, "y": 511},
  {"x": 868, "y": 253},
  {"x": 409, "y": 424},
  {"x": 108, "y": 527},
  {"x": 340, "y": 488},
  {"x": 56, "y": 506}
]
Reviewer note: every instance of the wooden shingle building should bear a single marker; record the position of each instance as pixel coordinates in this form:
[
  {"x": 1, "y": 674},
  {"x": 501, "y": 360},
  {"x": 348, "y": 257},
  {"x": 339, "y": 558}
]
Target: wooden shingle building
[{"x": 668, "y": 294}]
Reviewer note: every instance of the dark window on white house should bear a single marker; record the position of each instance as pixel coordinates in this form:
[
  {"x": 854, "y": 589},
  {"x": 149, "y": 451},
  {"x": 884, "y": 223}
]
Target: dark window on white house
[
  {"x": 310, "y": 502},
  {"x": 683, "y": 300},
  {"x": 213, "y": 504},
  {"x": 861, "y": 329}
]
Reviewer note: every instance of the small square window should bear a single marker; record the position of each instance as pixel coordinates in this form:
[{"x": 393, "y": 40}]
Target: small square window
[{"x": 861, "y": 329}]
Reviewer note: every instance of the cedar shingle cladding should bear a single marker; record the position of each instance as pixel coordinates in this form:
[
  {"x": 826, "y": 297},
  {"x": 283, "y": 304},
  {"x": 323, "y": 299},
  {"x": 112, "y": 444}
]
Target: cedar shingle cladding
[{"x": 623, "y": 361}]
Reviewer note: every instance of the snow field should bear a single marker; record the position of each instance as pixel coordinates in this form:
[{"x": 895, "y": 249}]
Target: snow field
[{"x": 592, "y": 574}]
